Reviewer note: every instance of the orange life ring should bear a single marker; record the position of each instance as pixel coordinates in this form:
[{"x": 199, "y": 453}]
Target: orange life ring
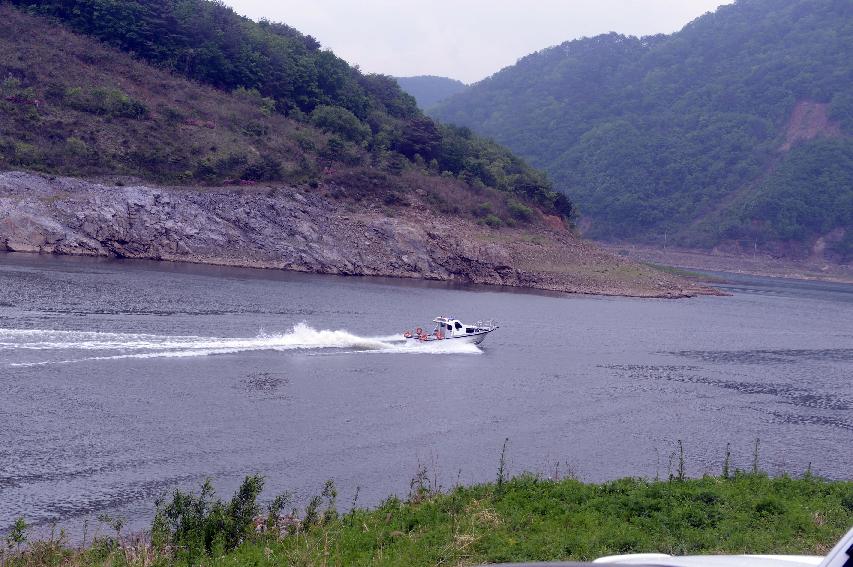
[
  {"x": 422, "y": 338},
  {"x": 408, "y": 334},
  {"x": 419, "y": 331}
]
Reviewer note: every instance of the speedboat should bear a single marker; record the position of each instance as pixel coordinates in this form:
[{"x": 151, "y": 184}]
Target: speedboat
[{"x": 448, "y": 328}]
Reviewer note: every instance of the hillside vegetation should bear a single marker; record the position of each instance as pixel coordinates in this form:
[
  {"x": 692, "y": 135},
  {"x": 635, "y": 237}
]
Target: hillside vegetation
[
  {"x": 188, "y": 92},
  {"x": 736, "y": 128},
  {"x": 429, "y": 89}
]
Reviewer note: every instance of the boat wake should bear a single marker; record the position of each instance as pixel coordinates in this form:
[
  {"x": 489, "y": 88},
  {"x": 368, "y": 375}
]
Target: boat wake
[{"x": 111, "y": 346}]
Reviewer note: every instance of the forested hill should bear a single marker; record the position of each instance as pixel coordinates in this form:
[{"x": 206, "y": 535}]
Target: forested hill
[
  {"x": 95, "y": 87},
  {"x": 735, "y": 130},
  {"x": 429, "y": 89}
]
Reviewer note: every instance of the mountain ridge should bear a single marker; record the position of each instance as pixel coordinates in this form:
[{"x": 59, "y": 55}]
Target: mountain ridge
[{"x": 650, "y": 133}]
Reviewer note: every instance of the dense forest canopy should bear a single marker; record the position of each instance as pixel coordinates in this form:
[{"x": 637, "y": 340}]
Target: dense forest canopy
[
  {"x": 429, "y": 89},
  {"x": 208, "y": 42},
  {"x": 715, "y": 133}
]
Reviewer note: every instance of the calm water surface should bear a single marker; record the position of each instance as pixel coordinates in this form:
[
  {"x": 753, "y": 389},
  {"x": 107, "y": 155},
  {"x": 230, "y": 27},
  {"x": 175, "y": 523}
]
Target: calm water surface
[{"x": 122, "y": 380}]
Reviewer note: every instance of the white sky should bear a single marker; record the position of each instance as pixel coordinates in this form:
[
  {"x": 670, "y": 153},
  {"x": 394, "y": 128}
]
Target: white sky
[{"x": 464, "y": 39}]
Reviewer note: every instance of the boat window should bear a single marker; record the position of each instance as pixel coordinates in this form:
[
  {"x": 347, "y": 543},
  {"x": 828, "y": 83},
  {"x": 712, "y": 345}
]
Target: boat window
[
  {"x": 469, "y": 330},
  {"x": 458, "y": 325}
]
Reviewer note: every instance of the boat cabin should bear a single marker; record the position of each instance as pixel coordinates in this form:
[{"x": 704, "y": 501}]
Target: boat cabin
[{"x": 453, "y": 327}]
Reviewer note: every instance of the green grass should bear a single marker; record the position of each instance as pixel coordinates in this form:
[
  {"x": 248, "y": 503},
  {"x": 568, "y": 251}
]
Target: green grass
[{"x": 529, "y": 519}]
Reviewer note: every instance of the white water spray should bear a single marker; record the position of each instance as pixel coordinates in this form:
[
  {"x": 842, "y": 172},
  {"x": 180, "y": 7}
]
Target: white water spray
[{"x": 111, "y": 346}]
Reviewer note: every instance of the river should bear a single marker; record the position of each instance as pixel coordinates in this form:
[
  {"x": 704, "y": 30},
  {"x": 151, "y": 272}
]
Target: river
[{"x": 121, "y": 380}]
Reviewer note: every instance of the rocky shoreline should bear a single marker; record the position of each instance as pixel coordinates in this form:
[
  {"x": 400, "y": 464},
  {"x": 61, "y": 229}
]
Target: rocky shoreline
[{"x": 304, "y": 229}]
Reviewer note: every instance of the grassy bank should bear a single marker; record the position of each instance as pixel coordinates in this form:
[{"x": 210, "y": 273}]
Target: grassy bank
[
  {"x": 687, "y": 274},
  {"x": 524, "y": 518}
]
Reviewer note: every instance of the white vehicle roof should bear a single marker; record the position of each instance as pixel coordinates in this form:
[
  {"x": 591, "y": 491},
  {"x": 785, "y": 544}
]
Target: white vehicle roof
[
  {"x": 840, "y": 556},
  {"x": 713, "y": 560}
]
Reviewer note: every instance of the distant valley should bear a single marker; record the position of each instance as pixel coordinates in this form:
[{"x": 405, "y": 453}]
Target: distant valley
[{"x": 429, "y": 90}]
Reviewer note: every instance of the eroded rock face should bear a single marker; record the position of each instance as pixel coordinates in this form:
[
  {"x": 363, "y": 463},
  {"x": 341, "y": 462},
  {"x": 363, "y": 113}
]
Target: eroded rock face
[
  {"x": 288, "y": 228},
  {"x": 809, "y": 120}
]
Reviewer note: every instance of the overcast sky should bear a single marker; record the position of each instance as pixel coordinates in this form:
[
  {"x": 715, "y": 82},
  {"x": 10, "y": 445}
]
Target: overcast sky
[{"x": 464, "y": 39}]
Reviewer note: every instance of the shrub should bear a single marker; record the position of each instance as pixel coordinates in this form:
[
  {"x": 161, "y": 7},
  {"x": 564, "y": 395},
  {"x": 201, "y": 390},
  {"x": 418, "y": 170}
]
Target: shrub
[
  {"x": 216, "y": 168},
  {"x": 304, "y": 141},
  {"x": 338, "y": 150},
  {"x": 172, "y": 115},
  {"x": 196, "y": 525},
  {"x": 483, "y": 210},
  {"x": 255, "y": 128},
  {"x": 769, "y": 506},
  {"x": 395, "y": 200},
  {"x": 265, "y": 104},
  {"x": 17, "y": 535},
  {"x": 77, "y": 147},
  {"x": 26, "y": 154},
  {"x": 564, "y": 206},
  {"x": 105, "y": 101},
  {"x": 267, "y": 168},
  {"x": 520, "y": 211},
  {"x": 396, "y": 163},
  {"x": 492, "y": 221},
  {"x": 11, "y": 83}
]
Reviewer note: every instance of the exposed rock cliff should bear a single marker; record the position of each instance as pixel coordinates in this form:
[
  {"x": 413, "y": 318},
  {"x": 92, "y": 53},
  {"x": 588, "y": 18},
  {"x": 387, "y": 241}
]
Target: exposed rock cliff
[{"x": 302, "y": 229}]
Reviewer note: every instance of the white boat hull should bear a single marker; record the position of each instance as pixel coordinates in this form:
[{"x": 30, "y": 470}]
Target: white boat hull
[{"x": 474, "y": 338}]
